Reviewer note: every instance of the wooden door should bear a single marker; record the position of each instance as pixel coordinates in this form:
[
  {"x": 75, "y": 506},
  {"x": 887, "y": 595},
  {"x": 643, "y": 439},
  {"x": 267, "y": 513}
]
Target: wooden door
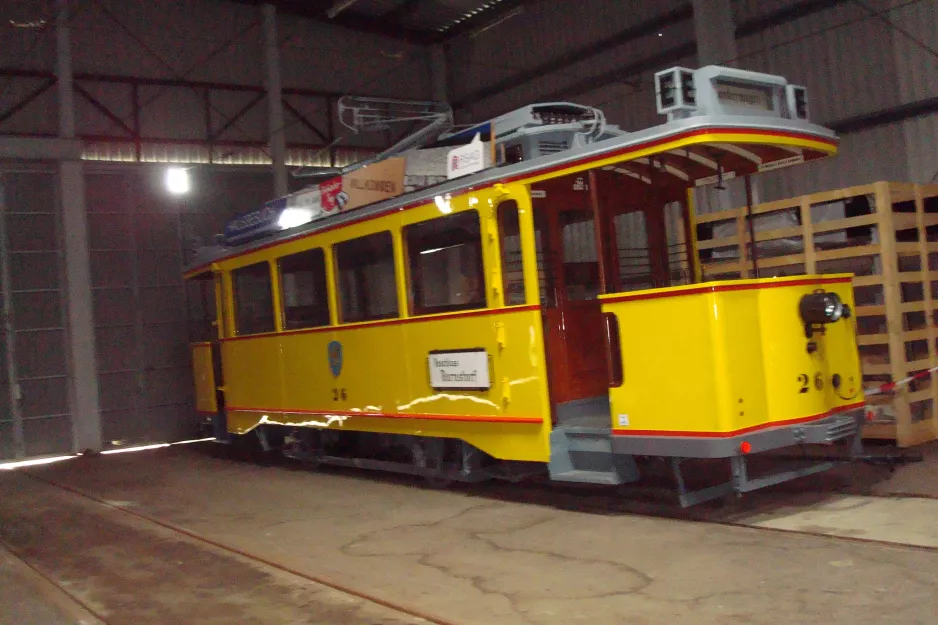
[{"x": 568, "y": 265}]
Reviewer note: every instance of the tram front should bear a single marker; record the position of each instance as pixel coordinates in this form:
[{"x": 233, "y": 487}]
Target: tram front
[{"x": 718, "y": 369}]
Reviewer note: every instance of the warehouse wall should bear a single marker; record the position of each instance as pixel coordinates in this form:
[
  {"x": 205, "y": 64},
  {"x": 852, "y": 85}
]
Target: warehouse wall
[
  {"x": 853, "y": 64},
  {"x": 139, "y": 297},
  {"x": 34, "y": 404},
  {"x": 856, "y": 65},
  {"x": 141, "y": 333},
  {"x": 211, "y": 41}
]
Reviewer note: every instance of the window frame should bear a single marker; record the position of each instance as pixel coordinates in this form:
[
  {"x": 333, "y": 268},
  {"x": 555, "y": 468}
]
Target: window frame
[
  {"x": 339, "y": 291},
  {"x": 236, "y": 308},
  {"x": 413, "y": 269},
  {"x": 325, "y": 302},
  {"x": 505, "y": 208}
]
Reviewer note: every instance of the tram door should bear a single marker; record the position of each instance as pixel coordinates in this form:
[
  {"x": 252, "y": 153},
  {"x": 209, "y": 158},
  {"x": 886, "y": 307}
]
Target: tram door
[
  {"x": 205, "y": 326},
  {"x": 568, "y": 271}
]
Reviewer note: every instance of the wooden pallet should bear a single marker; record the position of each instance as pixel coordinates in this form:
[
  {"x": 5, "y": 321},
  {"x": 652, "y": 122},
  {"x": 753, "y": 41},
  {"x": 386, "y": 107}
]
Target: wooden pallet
[{"x": 887, "y": 235}]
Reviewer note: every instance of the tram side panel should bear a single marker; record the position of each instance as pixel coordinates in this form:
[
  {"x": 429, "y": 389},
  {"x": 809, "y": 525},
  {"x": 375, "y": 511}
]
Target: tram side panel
[
  {"x": 253, "y": 380},
  {"x": 203, "y": 369},
  {"x": 480, "y": 377}
]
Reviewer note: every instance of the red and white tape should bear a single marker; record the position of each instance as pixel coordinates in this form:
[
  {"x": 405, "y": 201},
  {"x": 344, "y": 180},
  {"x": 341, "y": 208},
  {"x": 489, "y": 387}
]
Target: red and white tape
[{"x": 891, "y": 386}]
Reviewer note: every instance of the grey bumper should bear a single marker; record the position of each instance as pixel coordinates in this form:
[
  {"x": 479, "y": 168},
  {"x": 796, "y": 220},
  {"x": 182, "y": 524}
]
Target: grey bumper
[{"x": 838, "y": 427}]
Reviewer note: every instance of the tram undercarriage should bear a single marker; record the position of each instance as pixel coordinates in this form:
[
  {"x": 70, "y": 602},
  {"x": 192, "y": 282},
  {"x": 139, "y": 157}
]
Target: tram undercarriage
[{"x": 580, "y": 453}]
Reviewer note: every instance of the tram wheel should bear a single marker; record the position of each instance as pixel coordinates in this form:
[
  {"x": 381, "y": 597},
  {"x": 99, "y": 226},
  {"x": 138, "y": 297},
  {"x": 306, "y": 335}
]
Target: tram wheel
[
  {"x": 306, "y": 447},
  {"x": 428, "y": 454}
]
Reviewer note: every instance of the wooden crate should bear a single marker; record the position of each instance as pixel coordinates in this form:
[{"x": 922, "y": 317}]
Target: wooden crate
[{"x": 887, "y": 235}]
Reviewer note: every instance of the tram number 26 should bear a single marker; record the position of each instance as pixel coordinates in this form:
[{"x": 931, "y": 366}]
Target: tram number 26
[
  {"x": 339, "y": 393},
  {"x": 804, "y": 382}
]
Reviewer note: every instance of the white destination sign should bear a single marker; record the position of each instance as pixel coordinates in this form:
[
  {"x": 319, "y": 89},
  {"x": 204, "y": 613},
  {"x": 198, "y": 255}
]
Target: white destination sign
[
  {"x": 466, "y": 159},
  {"x": 785, "y": 162},
  {"x": 466, "y": 370}
]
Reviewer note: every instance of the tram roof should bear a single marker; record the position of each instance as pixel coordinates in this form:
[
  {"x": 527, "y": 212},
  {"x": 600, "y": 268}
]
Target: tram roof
[{"x": 741, "y": 138}]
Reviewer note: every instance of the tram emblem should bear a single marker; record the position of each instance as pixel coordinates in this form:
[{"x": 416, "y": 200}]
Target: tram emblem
[{"x": 335, "y": 358}]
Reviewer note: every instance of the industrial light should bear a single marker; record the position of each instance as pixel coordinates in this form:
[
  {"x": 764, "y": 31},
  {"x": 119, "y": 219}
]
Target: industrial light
[
  {"x": 177, "y": 181},
  {"x": 293, "y": 217}
]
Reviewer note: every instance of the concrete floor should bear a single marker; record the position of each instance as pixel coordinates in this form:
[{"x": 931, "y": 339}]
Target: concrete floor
[
  {"x": 25, "y": 597},
  {"x": 470, "y": 556}
]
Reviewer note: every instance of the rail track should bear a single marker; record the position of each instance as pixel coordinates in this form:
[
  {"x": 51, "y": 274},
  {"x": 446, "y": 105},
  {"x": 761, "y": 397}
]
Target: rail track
[{"x": 653, "y": 500}]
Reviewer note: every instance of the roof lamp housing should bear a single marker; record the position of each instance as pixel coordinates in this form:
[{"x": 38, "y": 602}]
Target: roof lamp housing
[
  {"x": 675, "y": 90},
  {"x": 721, "y": 91},
  {"x": 797, "y": 97}
]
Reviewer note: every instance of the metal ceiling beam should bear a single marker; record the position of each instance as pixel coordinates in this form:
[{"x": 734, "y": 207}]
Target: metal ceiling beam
[
  {"x": 672, "y": 18},
  {"x": 483, "y": 17},
  {"x": 783, "y": 16},
  {"x": 402, "y": 11},
  {"x": 649, "y": 27},
  {"x": 317, "y": 10},
  {"x": 623, "y": 74},
  {"x": 891, "y": 115}
]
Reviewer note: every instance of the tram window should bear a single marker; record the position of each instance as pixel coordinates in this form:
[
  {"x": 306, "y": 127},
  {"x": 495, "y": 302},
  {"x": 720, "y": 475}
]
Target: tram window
[
  {"x": 254, "y": 304},
  {"x": 545, "y": 260},
  {"x": 580, "y": 264},
  {"x": 509, "y": 229},
  {"x": 632, "y": 251},
  {"x": 200, "y": 297},
  {"x": 445, "y": 257},
  {"x": 303, "y": 283},
  {"x": 367, "y": 284}
]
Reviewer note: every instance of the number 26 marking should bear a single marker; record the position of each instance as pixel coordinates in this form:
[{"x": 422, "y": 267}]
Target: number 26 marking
[{"x": 805, "y": 381}]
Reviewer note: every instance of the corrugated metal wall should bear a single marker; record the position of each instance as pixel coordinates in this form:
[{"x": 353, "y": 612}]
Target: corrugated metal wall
[
  {"x": 918, "y": 80},
  {"x": 852, "y": 62},
  {"x": 140, "y": 307},
  {"x": 34, "y": 400},
  {"x": 145, "y": 382}
]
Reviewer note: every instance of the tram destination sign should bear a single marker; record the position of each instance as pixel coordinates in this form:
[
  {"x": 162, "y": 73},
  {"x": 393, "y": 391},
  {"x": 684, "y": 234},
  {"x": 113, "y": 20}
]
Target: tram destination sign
[{"x": 459, "y": 370}]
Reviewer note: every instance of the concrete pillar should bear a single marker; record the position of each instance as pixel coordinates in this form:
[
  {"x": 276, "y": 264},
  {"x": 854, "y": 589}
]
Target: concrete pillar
[
  {"x": 438, "y": 72},
  {"x": 83, "y": 366},
  {"x": 278, "y": 146},
  {"x": 715, "y": 31}
]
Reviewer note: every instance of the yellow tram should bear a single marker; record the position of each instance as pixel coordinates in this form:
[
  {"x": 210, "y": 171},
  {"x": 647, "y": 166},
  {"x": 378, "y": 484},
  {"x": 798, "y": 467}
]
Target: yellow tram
[{"x": 543, "y": 312}]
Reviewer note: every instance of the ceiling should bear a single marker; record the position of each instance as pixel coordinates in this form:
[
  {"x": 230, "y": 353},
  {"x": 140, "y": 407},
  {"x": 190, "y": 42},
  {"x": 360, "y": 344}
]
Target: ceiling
[{"x": 421, "y": 22}]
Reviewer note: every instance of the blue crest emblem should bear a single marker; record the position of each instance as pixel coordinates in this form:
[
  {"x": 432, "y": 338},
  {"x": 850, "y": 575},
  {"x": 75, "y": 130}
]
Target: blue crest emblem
[{"x": 335, "y": 358}]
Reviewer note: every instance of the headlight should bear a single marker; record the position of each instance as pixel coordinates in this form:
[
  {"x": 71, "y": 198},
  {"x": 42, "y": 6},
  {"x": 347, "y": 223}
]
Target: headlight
[{"x": 820, "y": 308}]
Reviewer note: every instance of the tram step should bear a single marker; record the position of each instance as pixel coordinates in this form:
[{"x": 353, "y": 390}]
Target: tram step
[
  {"x": 580, "y": 454},
  {"x": 588, "y": 477}
]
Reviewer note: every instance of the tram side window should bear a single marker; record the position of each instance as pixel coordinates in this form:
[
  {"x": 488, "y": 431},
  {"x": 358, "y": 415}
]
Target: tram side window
[
  {"x": 632, "y": 251},
  {"x": 367, "y": 284},
  {"x": 445, "y": 256},
  {"x": 200, "y": 297},
  {"x": 509, "y": 229},
  {"x": 254, "y": 304},
  {"x": 303, "y": 283}
]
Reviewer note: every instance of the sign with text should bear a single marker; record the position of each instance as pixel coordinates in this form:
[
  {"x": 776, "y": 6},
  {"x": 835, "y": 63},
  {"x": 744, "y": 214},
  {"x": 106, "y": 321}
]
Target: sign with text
[
  {"x": 461, "y": 369},
  {"x": 373, "y": 183},
  {"x": 466, "y": 159}
]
